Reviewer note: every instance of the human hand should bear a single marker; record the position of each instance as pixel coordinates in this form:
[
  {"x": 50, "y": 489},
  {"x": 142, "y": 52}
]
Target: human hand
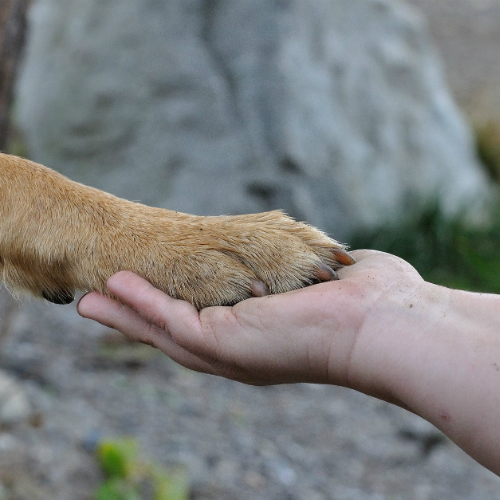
[
  {"x": 306, "y": 335},
  {"x": 381, "y": 329}
]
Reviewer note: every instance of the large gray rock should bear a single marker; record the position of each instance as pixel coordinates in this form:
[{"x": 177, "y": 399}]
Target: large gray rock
[{"x": 335, "y": 110}]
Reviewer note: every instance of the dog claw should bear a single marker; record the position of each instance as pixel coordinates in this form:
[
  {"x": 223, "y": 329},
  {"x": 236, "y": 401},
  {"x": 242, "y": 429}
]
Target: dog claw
[
  {"x": 62, "y": 297},
  {"x": 325, "y": 273},
  {"x": 259, "y": 289},
  {"x": 343, "y": 257}
]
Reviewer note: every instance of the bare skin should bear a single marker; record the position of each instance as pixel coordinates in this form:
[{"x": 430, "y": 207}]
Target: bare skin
[{"x": 381, "y": 329}]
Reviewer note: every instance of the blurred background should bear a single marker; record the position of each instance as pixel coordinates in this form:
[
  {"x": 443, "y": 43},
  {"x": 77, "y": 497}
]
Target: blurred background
[{"x": 376, "y": 120}]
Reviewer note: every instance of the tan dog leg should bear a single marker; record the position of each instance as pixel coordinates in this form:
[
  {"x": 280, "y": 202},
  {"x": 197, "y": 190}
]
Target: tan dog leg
[{"x": 58, "y": 236}]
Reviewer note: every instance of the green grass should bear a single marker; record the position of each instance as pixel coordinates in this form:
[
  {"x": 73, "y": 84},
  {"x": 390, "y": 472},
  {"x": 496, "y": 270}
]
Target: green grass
[
  {"x": 445, "y": 251},
  {"x": 129, "y": 477},
  {"x": 448, "y": 251}
]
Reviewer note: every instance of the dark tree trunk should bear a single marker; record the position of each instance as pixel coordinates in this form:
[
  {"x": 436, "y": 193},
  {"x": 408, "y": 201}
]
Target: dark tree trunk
[{"x": 12, "y": 34}]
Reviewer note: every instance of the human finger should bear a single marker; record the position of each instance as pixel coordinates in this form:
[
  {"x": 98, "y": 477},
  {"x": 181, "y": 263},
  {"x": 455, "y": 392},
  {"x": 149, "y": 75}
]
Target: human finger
[{"x": 134, "y": 326}]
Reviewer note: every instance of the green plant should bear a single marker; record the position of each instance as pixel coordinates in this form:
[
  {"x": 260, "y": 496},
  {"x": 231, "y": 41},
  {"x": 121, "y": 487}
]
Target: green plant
[
  {"x": 446, "y": 251},
  {"x": 128, "y": 477}
]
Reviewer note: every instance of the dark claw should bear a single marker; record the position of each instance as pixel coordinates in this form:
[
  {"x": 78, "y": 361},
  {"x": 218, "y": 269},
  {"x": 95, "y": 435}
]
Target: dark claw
[
  {"x": 259, "y": 289},
  {"x": 325, "y": 273},
  {"x": 62, "y": 297},
  {"x": 342, "y": 257}
]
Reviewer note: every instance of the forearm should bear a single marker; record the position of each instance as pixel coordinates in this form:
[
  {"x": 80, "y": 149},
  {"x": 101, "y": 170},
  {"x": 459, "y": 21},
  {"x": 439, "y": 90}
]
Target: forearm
[{"x": 440, "y": 353}]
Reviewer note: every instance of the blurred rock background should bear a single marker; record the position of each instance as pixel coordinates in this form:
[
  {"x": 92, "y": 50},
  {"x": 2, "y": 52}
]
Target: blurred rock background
[
  {"x": 467, "y": 36},
  {"x": 342, "y": 112},
  {"x": 337, "y": 112}
]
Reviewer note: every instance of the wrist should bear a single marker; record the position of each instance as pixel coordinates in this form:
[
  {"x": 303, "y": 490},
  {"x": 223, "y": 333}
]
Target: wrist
[
  {"x": 436, "y": 352},
  {"x": 392, "y": 346}
]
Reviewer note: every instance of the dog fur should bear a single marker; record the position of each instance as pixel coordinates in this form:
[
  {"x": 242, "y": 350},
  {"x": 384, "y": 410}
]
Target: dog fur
[{"x": 58, "y": 236}]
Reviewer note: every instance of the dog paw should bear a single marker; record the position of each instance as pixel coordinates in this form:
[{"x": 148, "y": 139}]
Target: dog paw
[
  {"x": 57, "y": 236},
  {"x": 223, "y": 260}
]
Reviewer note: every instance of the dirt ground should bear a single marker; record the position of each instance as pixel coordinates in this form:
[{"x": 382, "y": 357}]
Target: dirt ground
[
  {"x": 70, "y": 383},
  {"x": 83, "y": 383}
]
